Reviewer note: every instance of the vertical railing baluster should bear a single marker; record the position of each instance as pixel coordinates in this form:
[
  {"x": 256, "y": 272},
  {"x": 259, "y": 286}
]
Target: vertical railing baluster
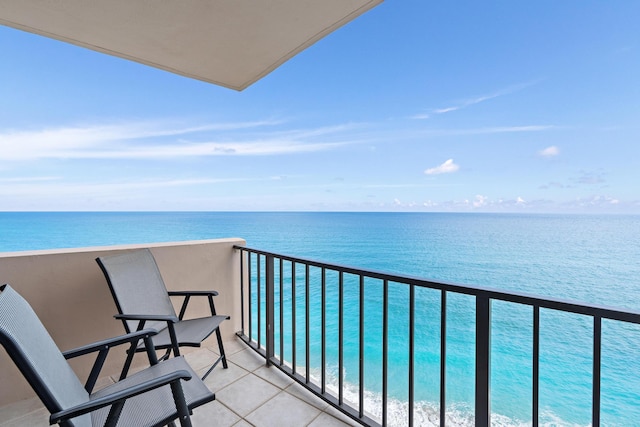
[
  {"x": 323, "y": 332},
  {"x": 307, "y": 326},
  {"x": 483, "y": 360},
  {"x": 281, "y": 327},
  {"x": 270, "y": 308},
  {"x": 412, "y": 306},
  {"x": 340, "y": 337},
  {"x": 258, "y": 267},
  {"x": 385, "y": 349},
  {"x": 249, "y": 296},
  {"x": 361, "y": 351},
  {"x": 242, "y": 253},
  {"x": 443, "y": 357},
  {"x": 536, "y": 367},
  {"x": 293, "y": 316},
  {"x": 597, "y": 353}
]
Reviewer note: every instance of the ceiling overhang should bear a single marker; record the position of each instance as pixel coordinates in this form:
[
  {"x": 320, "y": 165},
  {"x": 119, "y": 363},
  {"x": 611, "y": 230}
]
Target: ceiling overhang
[{"x": 231, "y": 43}]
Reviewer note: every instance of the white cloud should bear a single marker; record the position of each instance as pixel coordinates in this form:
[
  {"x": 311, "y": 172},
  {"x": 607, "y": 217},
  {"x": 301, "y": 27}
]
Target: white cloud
[
  {"x": 446, "y": 167},
  {"x": 447, "y": 109},
  {"x": 507, "y": 129},
  {"x": 480, "y": 201},
  {"x": 59, "y": 188},
  {"x": 591, "y": 178},
  {"x": 477, "y": 100},
  {"x": 486, "y": 131},
  {"x": 552, "y": 184},
  {"x": 597, "y": 201},
  {"x": 551, "y": 151},
  {"x": 132, "y": 141},
  {"x": 19, "y": 180}
]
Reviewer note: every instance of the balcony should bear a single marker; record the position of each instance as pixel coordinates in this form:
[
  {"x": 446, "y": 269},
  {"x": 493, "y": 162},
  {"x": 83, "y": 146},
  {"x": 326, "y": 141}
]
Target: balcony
[
  {"x": 282, "y": 339},
  {"x": 68, "y": 291}
]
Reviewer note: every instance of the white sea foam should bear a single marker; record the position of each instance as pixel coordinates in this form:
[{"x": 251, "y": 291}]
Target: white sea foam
[{"x": 425, "y": 414}]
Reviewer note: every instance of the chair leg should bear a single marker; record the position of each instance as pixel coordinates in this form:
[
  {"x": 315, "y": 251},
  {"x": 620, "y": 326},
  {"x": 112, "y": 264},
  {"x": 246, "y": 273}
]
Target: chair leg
[
  {"x": 221, "y": 348},
  {"x": 181, "y": 404},
  {"x": 127, "y": 363},
  {"x": 223, "y": 356}
]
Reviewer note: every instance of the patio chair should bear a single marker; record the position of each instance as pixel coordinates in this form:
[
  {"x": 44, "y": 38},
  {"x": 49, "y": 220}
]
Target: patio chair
[
  {"x": 143, "y": 301},
  {"x": 155, "y": 396}
]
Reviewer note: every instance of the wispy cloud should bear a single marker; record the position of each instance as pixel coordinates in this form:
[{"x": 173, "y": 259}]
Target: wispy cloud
[
  {"x": 420, "y": 185},
  {"x": 456, "y": 107},
  {"x": 508, "y": 129},
  {"x": 28, "y": 179},
  {"x": 490, "y": 130},
  {"x": 591, "y": 178},
  {"x": 552, "y": 151},
  {"x": 154, "y": 141},
  {"x": 459, "y": 105},
  {"x": 480, "y": 201},
  {"x": 446, "y": 167},
  {"x": 59, "y": 188},
  {"x": 553, "y": 184},
  {"x": 596, "y": 201},
  {"x": 129, "y": 194}
]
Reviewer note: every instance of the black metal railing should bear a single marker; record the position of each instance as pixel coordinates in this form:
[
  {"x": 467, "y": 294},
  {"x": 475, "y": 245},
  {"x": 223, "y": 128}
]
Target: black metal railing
[{"x": 270, "y": 294}]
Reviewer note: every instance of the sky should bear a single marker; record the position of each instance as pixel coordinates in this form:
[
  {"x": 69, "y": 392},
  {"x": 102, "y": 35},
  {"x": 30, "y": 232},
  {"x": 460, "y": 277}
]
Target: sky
[{"x": 416, "y": 106}]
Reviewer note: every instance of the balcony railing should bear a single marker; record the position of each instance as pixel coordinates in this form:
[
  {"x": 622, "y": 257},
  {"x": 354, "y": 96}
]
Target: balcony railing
[{"x": 289, "y": 302}]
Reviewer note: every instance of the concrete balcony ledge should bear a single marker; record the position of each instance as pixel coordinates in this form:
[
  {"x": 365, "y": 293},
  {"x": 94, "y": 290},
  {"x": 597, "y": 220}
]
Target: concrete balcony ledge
[{"x": 68, "y": 291}]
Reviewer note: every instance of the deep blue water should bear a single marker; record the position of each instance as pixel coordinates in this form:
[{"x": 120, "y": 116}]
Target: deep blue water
[{"x": 591, "y": 259}]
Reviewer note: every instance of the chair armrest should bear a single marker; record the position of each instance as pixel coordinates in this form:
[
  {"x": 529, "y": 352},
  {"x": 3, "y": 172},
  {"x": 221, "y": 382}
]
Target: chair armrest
[
  {"x": 192, "y": 293},
  {"x": 108, "y": 343},
  {"x": 170, "y": 319},
  {"x": 160, "y": 317},
  {"x": 103, "y": 347},
  {"x": 118, "y": 396},
  {"x": 187, "y": 297}
]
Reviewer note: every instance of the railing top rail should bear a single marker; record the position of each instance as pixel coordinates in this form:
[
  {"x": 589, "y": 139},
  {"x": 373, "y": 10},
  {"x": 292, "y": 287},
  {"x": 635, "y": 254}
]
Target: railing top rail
[{"x": 604, "y": 312}]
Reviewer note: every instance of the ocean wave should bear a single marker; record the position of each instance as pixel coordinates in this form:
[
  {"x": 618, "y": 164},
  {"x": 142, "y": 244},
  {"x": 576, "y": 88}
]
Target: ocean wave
[{"x": 426, "y": 414}]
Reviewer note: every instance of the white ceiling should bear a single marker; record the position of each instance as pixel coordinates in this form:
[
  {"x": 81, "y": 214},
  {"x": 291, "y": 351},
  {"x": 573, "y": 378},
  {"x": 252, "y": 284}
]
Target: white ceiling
[{"x": 231, "y": 43}]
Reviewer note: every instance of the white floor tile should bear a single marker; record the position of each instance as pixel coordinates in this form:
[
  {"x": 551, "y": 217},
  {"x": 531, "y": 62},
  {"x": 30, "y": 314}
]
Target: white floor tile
[
  {"x": 246, "y": 394},
  {"x": 284, "y": 410}
]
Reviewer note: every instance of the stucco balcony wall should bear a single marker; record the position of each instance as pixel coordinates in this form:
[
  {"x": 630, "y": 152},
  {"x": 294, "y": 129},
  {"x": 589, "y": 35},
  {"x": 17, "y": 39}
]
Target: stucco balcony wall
[{"x": 68, "y": 291}]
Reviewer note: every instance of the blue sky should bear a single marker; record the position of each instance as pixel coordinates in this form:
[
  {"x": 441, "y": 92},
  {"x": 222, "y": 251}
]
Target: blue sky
[{"x": 415, "y": 106}]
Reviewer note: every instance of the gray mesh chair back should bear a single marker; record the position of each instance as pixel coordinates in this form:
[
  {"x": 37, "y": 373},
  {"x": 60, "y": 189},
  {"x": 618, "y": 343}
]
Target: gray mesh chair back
[
  {"x": 137, "y": 286},
  {"x": 38, "y": 357},
  {"x": 142, "y": 300}
]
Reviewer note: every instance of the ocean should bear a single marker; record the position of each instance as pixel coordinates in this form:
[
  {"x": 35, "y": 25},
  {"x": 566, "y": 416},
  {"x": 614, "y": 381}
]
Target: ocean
[{"x": 585, "y": 258}]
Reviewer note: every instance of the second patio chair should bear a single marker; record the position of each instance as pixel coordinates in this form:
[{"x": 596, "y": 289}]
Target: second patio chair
[{"x": 143, "y": 301}]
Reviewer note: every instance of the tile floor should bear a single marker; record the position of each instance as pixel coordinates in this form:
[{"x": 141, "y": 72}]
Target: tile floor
[{"x": 248, "y": 393}]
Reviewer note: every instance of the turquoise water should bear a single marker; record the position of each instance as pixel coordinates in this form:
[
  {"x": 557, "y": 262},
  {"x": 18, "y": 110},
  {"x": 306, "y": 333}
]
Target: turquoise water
[{"x": 592, "y": 259}]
